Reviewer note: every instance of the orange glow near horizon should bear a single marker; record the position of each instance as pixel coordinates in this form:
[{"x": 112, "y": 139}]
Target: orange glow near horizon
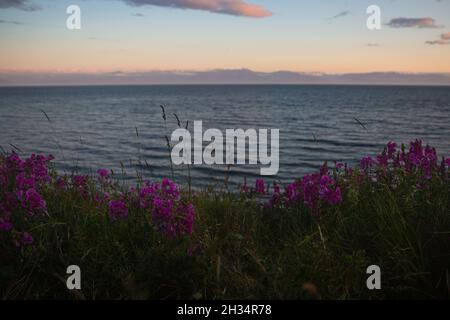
[{"x": 166, "y": 39}]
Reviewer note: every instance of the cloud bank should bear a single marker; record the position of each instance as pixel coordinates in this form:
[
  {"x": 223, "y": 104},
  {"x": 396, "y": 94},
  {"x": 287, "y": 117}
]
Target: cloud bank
[
  {"x": 231, "y": 7},
  {"x": 426, "y": 22}
]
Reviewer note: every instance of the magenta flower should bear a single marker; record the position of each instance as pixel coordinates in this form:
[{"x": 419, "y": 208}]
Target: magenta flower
[
  {"x": 24, "y": 183},
  {"x": 382, "y": 159},
  {"x": 81, "y": 185},
  {"x": 103, "y": 177},
  {"x": 260, "y": 186},
  {"x": 430, "y": 154},
  {"x": 36, "y": 165},
  {"x": 147, "y": 194},
  {"x": 292, "y": 192},
  {"x": 103, "y": 173},
  {"x": 118, "y": 209},
  {"x": 169, "y": 215},
  {"x": 170, "y": 189},
  {"x": 328, "y": 190},
  {"x": 391, "y": 149},
  {"x": 366, "y": 163},
  {"x": 333, "y": 197},
  {"x": 32, "y": 201},
  {"x": 80, "y": 181},
  {"x": 276, "y": 198},
  {"x": 14, "y": 163}
]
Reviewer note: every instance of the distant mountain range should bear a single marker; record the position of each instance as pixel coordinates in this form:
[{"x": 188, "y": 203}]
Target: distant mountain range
[{"x": 221, "y": 76}]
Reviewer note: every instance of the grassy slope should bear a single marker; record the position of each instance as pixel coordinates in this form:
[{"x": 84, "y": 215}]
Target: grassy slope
[{"x": 239, "y": 250}]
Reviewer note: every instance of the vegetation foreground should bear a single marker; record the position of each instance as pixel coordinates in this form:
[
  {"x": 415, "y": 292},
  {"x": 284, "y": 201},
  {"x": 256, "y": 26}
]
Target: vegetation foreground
[{"x": 311, "y": 239}]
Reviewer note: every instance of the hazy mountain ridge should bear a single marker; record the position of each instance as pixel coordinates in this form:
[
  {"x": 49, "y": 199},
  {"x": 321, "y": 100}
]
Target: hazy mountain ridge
[{"x": 220, "y": 76}]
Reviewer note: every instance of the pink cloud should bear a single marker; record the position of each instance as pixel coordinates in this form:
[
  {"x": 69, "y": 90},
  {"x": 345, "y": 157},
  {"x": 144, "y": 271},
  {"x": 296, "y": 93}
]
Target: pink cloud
[
  {"x": 444, "y": 40},
  {"x": 232, "y": 7},
  {"x": 445, "y": 36}
]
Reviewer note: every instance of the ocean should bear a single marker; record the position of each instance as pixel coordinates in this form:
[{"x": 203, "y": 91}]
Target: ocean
[{"x": 121, "y": 127}]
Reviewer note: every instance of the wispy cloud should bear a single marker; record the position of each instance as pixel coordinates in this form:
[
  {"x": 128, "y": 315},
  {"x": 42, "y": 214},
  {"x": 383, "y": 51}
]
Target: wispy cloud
[
  {"x": 426, "y": 22},
  {"x": 341, "y": 14},
  {"x": 444, "y": 40},
  {"x": 438, "y": 42},
  {"x": 10, "y": 22},
  {"x": 25, "y": 5},
  {"x": 231, "y": 7}
]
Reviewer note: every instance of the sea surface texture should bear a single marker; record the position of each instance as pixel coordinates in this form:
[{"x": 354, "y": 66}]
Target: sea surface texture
[{"x": 122, "y": 128}]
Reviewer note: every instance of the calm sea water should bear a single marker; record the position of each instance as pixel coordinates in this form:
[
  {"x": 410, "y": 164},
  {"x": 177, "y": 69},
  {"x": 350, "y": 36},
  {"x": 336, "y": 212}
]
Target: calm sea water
[{"x": 95, "y": 127}]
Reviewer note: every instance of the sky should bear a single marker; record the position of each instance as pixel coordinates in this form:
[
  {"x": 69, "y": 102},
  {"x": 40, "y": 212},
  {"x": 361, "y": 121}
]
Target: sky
[{"x": 328, "y": 36}]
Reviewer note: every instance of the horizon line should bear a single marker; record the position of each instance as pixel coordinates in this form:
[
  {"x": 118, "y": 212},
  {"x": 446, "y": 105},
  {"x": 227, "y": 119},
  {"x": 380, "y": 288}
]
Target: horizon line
[{"x": 221, "y": 77}]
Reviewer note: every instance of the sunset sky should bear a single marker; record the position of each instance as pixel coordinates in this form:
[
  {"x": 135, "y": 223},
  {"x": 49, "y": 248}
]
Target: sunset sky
[{"x": 327, "y": 36}]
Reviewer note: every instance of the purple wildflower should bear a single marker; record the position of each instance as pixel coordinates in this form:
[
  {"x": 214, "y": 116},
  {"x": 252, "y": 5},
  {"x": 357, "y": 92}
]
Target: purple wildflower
[
  {"x": 391, "y": 149},
  {"x": 24, "y": 183},
  {"x": 118, "y": 209},
  {"x": 260, "y": 186},
  {"x": 366, "y": 163},
  {"x": 103, "y": 177},
  {"x": 103, "y": 173},
  {"x": 32, "y": 201}
]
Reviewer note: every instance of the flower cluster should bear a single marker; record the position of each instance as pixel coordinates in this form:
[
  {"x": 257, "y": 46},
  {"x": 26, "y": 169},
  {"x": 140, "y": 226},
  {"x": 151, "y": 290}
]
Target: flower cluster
[
  {"x": 20, "y": 185},
  {"x": 118, "y": 209},
  {"x": 315, "y": 190},
  {"x": 418, "y": 162},
  {"x": 168, "y": 212},
  {"x": 23, "y": 182}
]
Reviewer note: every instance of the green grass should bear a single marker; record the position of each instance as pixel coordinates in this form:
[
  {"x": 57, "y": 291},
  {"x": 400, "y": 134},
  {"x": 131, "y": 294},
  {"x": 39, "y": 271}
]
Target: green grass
[{"x": 239, "y": 250}]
